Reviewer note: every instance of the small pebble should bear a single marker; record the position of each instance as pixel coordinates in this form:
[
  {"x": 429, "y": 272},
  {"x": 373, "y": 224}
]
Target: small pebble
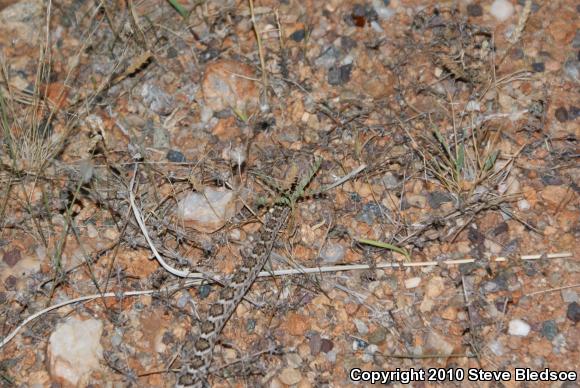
[
  {"x": 361, "y": 327},
  {"x": 326, "y": 345},
  {"x": 569, "y": 295},
  {"x": 92, "y": 232},
  {"x": 412, "y": 282},
  {"x": 390, "y": 181},
  {"x": 519, "y": 328},
  {"x": 332, "y": 252},
  {"x": 298, "y": 35},
  {"x": 538, "y": 67},
  {"x": 523, "y": 205},
  {"x": 573, "y": 312},
  {"x": 347, "y": 43},
  {"x": 378, "y": 336},
  {"x": 549, "y": 329},
  {"x": 561, "y": 114},
  {"x": 501, "y": 10},
  {"x": 331, "y": 356},
  {"x": 437, "y": 198},
  {"x": 474, "y": 10},
  {"x": 497, "y": 348},
  {"x": 572, "y": 69},
  {"x": 175, "y": 156},
  {"x": 12, "y": 257},
  {"x": 339, "y": 75},
  {"x": 290, "y": 376}
]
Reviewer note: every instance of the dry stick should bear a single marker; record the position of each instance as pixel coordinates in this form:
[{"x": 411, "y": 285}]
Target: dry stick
[
  {"x": 262, "y": 60},
  {"x": 283, "y": 272}
]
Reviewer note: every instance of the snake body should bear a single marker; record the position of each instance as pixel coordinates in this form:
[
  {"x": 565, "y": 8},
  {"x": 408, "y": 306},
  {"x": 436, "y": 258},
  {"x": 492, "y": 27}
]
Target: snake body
[{"x": 195, "y": 372}]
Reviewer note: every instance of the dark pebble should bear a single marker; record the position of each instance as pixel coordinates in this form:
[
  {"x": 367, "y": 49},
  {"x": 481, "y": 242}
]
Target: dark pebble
[
  {"x": 339, "y": 75},
  {"x": 437, "y": 198},
  {"x": 12, "y": 257},
  {"x": 204, "y": 291},
  {"x": 172, "y": 53},
  {"x": 551, "y": 180},
  {"x": 167, "y": 338},
  {"x": 574, "y": 113},
  {"x": 369, "y": 213},
  {"x": 549, "y": 329},
  {"x": 500, "y": 229},
  {"x": 347, "y": 43},
  {"x": 561, "y": 114},
  {"x": 298, "y": 36},
  {"x": 326, "y": 345},
  {"x": 175, "y": 156},
  {"x": 10, "y": 283},
  {"x": 573, "y": 312},
  {"x": 538, "y": 67},
  {"x": 474, "y": 10},
  {"x": 530, "y": 268}
]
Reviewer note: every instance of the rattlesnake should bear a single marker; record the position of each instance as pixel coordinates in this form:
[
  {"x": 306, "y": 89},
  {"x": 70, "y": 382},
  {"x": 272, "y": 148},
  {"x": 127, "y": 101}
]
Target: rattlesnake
[{"x": 195, "y": 372}]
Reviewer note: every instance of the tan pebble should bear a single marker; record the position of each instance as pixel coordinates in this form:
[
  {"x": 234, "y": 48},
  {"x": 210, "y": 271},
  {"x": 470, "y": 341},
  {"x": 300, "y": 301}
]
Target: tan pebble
[
  {"x": 554, "y": 195},
  {"x": 412, "y": 282},
  {"x": 276, "y": 383},
  {"x": 365, "y": 190},
  {"x": 111, "y": 234},
  {"x": 426, "y": 305},
  {"x": 297, "y": 324},
  {"x": 449, "y": 313},
  {"x": 435, "y": 287},
  {"x": 304, "y": 383},
  {"x": 92, "y": 232},
  {"x": 290, "y": 376},
  {"x": 229, "y": 84}
]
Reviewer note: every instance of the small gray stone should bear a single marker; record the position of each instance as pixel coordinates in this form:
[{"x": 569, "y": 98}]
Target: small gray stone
[
  {"x": 569, "y": 295},
  {"x": 328, "y": 58},
  {"x": 160, "y": 137},
  {"x": 315, "y": 344},
  {"x": 549, "y": 329},
  {"x": 332, "y": 252},
  {"x": 339, "y": 75},
  {"x": 378, "y": 336},
  {"x": 572, "y": 69},
  {"x": 370, "y": 212},
  {"x": 175, "y": 156},
  {"x": 361, "y": 327},
  {"x": 390, "y": 181},
  {"x": 156, "y": 99},
  {"x": 437, "y": 198}
]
